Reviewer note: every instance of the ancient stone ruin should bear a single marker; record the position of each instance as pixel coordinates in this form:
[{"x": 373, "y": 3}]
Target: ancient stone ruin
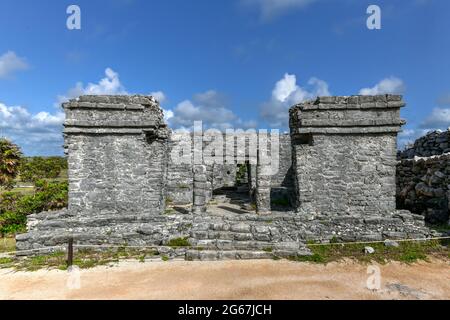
[
  {"x": 335, "y": 180},
  {"x": 423, "y": 177}
]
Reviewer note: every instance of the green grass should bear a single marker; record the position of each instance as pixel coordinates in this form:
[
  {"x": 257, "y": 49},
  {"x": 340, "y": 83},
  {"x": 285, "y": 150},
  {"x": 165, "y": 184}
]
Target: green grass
[
  {"x": 84, "y": 259},
  {"x": 169, "y": 212},
  {"x": 6, "y": 260},
  {"x": 7, "y": 244},
  {"x": 407, "y": 252},
  {"x": 179, "y": 242}
]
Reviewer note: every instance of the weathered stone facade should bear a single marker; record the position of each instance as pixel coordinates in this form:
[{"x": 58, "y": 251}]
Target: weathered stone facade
[
  {"x": 345, "y": 154},
  {"x": 117, "y": 154},
  {"x": 338, "y": 173}
]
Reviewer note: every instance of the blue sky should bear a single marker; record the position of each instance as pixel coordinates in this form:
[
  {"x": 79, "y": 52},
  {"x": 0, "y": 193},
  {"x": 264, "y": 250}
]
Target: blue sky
[{"x": 230, "y": 63}]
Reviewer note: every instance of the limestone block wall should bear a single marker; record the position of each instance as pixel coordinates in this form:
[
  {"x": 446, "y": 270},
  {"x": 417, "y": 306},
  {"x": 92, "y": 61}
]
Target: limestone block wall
[
  {"x": 345, "y": 154},
  {"x": 180, "y": 176},
  {"x": 423, "y": 187},
  {"x": 117, "y": 154}
]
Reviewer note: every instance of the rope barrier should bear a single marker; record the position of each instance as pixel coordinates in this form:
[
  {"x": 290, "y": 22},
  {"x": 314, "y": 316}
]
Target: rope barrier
[{"x": 106, "y": 246}]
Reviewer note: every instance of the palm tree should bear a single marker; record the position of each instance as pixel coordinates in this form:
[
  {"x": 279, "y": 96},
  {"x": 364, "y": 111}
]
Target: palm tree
[{"x": 10, "y": 157}]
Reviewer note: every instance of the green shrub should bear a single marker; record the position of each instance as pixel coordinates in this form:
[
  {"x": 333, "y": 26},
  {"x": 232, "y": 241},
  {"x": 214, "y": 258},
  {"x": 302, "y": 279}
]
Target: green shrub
[
  {"x": 241, "y": 173},
  {"x": 14, "y": 207},
  {"x": 36, "y": 168}
]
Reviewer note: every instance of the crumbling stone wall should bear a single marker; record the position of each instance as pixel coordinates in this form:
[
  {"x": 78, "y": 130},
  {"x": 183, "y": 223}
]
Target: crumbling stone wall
[
  {"x": 423, "y": 187},
  {"x": 345, "y": 154},
  {"x": 433, "y": 143},
  {"x": 423, "y": 177},
  {"x": 117, "y": 154}
]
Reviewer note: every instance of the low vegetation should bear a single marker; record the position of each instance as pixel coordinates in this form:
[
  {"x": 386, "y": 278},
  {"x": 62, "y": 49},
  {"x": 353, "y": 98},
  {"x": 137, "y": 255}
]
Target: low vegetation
[
  {"x": 28, "y": 185},
  {"x": 83, "y": 258},
  {"x": 407, "y": 252},
  {"x": 179, "y": 242},
  {"x": 39, "y": 168},
  {"x": 14, "y": 207}
]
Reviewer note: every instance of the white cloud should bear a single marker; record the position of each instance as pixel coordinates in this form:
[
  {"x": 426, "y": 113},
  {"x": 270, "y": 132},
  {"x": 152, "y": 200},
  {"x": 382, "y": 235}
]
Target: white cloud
[
  {"x": 391, "y": 85},
  {"x": 287, "y": 93},
  {"x": 208, "y": 107},
  {"x": 37, "y": 134},
  {"x": 10, "y": 63},
  {"x": 270, "y": 9},
  {"x": 109, "y": 85},
  {"x": 159, "y": 95},
  {"x": 439, "y": 118}
]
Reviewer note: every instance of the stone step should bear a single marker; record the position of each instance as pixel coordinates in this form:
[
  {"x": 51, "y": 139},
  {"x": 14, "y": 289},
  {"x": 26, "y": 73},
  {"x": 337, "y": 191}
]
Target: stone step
[{"x": 214, "y": 255}]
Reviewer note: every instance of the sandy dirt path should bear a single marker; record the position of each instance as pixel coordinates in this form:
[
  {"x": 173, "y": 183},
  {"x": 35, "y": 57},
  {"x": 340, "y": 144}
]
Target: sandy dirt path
[{"x": 263, "y": 279}]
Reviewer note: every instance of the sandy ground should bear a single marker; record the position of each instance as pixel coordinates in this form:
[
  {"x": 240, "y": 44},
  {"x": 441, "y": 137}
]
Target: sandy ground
[{"x": 265, "y": 279}]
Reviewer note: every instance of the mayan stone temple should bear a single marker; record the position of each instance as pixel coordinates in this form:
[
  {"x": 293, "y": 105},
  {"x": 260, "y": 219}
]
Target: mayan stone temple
[{"x": 336, "y": 180}]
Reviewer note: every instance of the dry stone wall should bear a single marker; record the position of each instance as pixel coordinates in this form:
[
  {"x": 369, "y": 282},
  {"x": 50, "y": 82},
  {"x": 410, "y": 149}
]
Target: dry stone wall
[
  {"x": 345, "y": 154},
  {"x": 423, "y": 186},
  {"x": 433, "y": 143}
]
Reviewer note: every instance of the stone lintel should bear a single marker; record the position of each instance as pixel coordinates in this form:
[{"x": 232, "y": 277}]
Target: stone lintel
[
  {"x": 346, "y": 130},
  {"x": 111, "y": 124},
  {"x": 81, "y": 130}
]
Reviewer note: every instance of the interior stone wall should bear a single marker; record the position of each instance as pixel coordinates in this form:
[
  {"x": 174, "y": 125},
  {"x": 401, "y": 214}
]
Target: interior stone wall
[{"x": 180, "y": 176}]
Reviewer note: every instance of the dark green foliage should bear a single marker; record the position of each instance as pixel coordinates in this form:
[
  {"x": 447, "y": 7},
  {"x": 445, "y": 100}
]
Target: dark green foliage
[
  {"x": 36, "y": 168},
  {"x": 10, "y": 158},
  {"x": 241, "y": 173},
  {"x": 14, "y": 207}
]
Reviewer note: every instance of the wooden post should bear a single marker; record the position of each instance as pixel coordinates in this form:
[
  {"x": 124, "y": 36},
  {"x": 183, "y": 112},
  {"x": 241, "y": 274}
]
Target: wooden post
[{"x": 70, "y": 252}]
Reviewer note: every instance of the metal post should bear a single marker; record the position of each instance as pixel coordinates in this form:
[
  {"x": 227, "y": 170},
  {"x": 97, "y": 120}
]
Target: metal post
[{"x": 70, "y": 252}]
